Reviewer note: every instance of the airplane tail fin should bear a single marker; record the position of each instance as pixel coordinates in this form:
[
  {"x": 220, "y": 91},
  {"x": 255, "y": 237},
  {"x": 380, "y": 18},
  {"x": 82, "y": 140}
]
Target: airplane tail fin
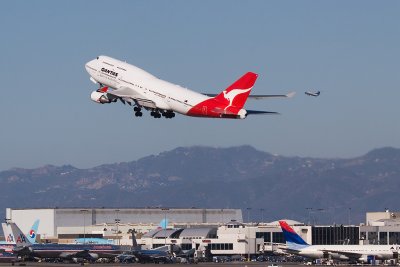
[
  {"x": 14, "y": 235},
  {"x": 163, "y": 224},
  {"x": 134, "y": 242},
  {"x": 292, "y": 238},
  {"x": 33, "y": 232},
  {"x": 237, "y": 94},
  {"x": 9, "y": 237}
]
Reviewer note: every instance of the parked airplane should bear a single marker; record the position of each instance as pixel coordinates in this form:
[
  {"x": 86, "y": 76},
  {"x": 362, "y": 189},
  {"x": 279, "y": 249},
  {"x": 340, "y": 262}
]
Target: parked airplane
[
  {"x": 163, "y": 254},
  {"x": 7, "y": 256},
  {"x": 62, "y": 251},
  {"x": 310, "y": 93},
  {"x": 10, "y": 241},
  {"x": 93, "y": 240},
  {"x": 158, "y": 255},
  {"x": 297, "y": 245},
  {"x": 119, "y": 80}
]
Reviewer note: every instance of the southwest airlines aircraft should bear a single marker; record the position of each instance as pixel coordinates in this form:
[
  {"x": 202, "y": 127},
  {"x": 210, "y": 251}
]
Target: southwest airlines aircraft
[
  {"x": 119, "y": 80},
  {"x": 296, "y": 245}
]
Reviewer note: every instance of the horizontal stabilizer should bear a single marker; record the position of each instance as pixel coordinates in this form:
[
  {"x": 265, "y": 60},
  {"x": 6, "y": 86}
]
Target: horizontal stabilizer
[
  {"x": 258, "y": 97},
  {"x": 260, "y": 112}
]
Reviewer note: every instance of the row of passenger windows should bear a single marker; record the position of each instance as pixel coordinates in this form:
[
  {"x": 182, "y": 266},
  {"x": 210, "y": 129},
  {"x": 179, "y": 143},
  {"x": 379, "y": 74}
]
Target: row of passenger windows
[{"x": 222, "y": 246}]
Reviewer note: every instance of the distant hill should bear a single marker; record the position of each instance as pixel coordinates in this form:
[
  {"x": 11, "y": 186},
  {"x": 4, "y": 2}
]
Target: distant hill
[{"x": 236, "y": 177}]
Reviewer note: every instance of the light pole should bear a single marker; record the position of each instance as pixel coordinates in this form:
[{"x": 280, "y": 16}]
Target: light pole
[
  {"x": 319, "y": 215},
  {"x": 84, "y": 225},
  {"x": 117, "y": 221},
  {"x": 165, "y": 225},
  {"x": 349, "y": 221},
  {"x": 248, "y": 233},
  {"x": 248, "y": 214},
  {"x": 262, "y": 215},
  {"x": 309, "y": 215}
]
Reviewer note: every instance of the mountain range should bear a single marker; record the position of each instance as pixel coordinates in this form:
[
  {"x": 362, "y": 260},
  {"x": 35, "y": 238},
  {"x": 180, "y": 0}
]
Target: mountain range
[{"x": 266, "y": 187}]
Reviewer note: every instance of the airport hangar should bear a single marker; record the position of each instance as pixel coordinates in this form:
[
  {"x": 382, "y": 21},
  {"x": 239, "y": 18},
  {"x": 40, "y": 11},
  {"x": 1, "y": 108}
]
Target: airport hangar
[{"x": 221, "y": 231}]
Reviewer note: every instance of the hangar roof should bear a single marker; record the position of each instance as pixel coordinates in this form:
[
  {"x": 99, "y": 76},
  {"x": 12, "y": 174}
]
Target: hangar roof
[{"x": 198, "y": 232}]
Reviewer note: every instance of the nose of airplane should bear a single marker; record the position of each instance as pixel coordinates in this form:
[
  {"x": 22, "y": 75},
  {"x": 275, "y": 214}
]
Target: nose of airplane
[{"x": 90, "y": 66}]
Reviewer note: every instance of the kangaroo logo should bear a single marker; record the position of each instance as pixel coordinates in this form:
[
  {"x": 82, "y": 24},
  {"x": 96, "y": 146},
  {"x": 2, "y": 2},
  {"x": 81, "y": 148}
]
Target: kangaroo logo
[{"x": 232, "y": 94}]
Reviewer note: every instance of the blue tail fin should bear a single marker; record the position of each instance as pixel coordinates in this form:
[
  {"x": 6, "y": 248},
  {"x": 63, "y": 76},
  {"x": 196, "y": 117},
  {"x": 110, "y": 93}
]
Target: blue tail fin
[
  {"x": 163, "y": 224},
  {"x": 33, "y": 232},
  {"x": 292, "y": 238}
]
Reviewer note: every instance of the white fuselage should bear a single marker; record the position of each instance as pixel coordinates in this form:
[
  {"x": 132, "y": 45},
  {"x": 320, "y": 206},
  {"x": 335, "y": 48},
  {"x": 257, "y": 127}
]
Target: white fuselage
[
  {"x": 342, "y": 252},
  {"x": 116, "y": 74}
]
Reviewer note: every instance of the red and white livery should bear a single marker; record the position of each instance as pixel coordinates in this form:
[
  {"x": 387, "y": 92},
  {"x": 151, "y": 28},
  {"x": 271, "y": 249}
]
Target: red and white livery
[{"x": 119, "y": 80}]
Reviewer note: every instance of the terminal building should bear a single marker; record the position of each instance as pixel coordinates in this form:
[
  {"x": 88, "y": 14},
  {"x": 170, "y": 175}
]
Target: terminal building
[{"x": 219, "y": 231}]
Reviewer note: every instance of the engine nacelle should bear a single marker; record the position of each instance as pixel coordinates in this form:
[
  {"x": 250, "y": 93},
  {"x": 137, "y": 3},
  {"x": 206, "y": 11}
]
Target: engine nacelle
[
  {"x": 100, "y": 97},
  {"x": 242, "y": 114},
  {"x": 94, "y": 256}
]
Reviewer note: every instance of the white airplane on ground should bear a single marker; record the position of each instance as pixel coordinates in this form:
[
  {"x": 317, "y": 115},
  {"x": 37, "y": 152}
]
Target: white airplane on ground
[
  {"x": 132, "y": 85},
  {"x": 296, "y": 245},
  {"x": 313, "y": 93}
]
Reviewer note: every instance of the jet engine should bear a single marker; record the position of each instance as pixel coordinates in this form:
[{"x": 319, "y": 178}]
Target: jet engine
[
  {"x": 100, "y": 97},
  {"x": 94, "y": 256}
]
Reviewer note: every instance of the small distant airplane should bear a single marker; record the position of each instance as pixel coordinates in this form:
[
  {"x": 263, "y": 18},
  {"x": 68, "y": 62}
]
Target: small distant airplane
[
  {"x": 118, "y": 80},
  {"x": 312, "y": 93}
]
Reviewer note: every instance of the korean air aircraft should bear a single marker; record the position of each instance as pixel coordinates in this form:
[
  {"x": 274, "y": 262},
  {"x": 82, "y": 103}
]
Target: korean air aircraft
[
  {"x": 11, "y": 240},
  {"x": 119, "y": 80},
  {"x": 296, "y": 245}
]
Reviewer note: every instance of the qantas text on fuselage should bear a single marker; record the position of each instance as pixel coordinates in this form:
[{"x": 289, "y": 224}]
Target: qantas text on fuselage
[{"x": 119, "y": 80}]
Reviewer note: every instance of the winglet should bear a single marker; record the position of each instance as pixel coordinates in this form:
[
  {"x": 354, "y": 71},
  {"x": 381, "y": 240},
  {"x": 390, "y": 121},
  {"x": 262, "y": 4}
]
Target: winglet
[{"x": 291, "y": 94}]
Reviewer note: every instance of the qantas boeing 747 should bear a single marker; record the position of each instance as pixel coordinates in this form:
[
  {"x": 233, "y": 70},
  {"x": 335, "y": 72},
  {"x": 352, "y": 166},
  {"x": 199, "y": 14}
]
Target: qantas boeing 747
[{"x": 119, "y": 80}]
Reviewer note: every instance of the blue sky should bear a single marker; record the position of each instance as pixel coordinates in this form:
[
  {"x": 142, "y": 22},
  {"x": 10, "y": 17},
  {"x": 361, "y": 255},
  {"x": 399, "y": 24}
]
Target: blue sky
[{"x": 347, "y": 49}]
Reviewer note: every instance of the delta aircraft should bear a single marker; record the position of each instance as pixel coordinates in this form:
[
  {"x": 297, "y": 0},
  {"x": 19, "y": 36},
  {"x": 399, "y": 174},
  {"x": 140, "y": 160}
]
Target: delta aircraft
[
  {"x": 361, "y": 253},
  {"x": 119, "y": 80}
]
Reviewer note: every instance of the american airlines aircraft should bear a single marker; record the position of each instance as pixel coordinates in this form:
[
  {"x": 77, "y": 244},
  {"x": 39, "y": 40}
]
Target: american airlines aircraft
[
  {"x": 119, "y": 80},
  {"x": 296, "y": 245}
]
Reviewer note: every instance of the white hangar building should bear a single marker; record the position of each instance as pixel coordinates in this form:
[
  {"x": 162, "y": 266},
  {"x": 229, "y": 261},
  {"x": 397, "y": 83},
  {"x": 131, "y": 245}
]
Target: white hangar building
[{"x": 53, "y": 219}]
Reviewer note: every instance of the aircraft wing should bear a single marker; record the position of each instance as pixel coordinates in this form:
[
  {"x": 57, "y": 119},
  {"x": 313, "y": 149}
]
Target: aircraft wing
[
  {"x": 23, "y": 250},
  {"x": 290, "y": 250},
  {"x": 258, "y": 97},
  {"x": 83, "y": 254},
  {"x": 126, "y": 94},
  {"x": 350, "y": 255}
]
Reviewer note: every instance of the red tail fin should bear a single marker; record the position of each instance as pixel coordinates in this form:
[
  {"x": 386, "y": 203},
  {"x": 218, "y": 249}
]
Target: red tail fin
[{"x": 236, "y": 94}]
